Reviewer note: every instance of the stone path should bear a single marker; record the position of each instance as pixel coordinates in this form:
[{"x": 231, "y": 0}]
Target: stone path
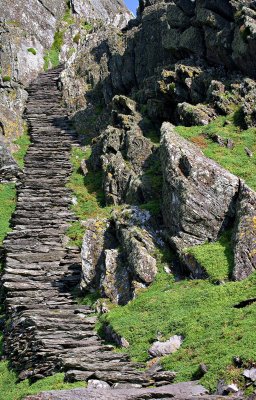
[{"x": 47, "y": 331}]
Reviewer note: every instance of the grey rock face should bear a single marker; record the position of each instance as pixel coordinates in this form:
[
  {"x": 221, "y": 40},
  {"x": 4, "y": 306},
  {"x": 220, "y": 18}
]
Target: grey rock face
[
  {"x": 9, "y": 169},
  {"x": 113, "y": 12},
  {"x": 198, "y": 195},
  {"x": 95, "y": 241},
  {"x": 118, "y": 257},
  {"x": 244, "y": 234}
]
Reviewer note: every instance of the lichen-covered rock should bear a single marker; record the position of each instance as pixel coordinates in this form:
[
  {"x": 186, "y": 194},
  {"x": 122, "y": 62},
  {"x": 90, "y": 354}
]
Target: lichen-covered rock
[
  {"x": 92, "y": 252},
  {"x": 195, "y": 115},
  {"x": 9, "y": 169},
  {"x": 159, "y": 349},
  {"x": 137, "y": 243},
  {"x": 198, "y": 195},
  {"x": 116, "y": 281},
  {"x": 245, "y": 234},
  {"x": 118, "y": 256},
  {"x": 113, "y": 12}
]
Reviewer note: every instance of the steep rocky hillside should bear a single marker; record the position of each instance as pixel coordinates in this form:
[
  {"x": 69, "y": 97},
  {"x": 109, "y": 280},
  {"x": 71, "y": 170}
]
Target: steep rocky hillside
[{"x": 161, "y": 135}]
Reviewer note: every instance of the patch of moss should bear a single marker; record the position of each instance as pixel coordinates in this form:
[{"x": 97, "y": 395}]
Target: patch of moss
[
  {"x": 32, "y": 50},
  {"x": 6, "y": 78},
  {"x": 87, "y": 26},
  {"x": 77, "y": 38}
]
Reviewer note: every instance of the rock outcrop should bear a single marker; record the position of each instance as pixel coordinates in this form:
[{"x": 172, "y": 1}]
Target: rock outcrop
[
  {"x": 118, "y": 256},
  {"x": 245, "y": 234},
  {"x": 9, "y": 169},
  {"x": 199, "y": 196}
]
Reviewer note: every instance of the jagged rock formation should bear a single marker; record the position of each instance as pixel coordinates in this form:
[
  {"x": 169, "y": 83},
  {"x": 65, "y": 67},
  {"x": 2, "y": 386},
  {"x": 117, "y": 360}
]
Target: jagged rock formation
[
  {"x": 202, "y": 193},
  {"x": 118, "y": 255}
]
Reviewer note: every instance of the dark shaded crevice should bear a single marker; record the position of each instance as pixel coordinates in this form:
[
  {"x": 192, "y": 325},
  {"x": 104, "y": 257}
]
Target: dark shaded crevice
[{"x": 245, "y": 303}]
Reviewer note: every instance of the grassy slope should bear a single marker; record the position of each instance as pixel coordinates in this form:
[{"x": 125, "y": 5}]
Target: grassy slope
[
  {"x": 234, "y": 160},
  {"x": 203, "y": 313}
]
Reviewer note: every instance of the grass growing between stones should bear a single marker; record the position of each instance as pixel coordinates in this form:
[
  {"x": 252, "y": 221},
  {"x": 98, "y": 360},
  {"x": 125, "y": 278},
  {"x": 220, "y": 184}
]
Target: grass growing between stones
[
  {"x": 204, "y": 314},
  {"x": 88, "y": 193},
  {"x": 234, "y": 160},
  {"x": 217, "y": 258},
  {"x": 52, "y": 56},
  {"x": 23, "y": 142}
]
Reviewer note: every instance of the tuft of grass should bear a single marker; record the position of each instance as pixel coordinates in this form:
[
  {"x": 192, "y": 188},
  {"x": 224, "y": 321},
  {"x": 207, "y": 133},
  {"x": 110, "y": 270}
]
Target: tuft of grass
[
  {"x": 52, "y": 56},
  {"x": 234, "y": 160},
  {"x": 7, "y": 207},
  {"x": 214, "y": 331},
  {"x": 89, "y": 194},
  {"x": 87, "y": 26},
  {"x": 32, "y": 50},
  {"x": 23, "y": 142},
  {"x": 6, "y": 78},
  {"x": 217, "y": 258}
]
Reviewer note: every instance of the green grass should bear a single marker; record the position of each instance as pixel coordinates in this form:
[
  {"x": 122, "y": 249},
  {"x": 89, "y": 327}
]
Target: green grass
[
  {"x": 217, "y": 258},
  {"x": 89, "y": 193},
  {"x": 7, "y": 207},
  {"x": 32, "y": 51},
  {"x": 52, "y": 56},
  {"x": 23, "y": 142},
  {"x": 204, "y": 314},
  {"x": 234, "y": 160},
  {"x": 6, "y": 78}
]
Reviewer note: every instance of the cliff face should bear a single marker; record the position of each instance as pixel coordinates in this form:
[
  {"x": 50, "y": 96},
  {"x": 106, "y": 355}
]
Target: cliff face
[{"x": 26, "y": 31}]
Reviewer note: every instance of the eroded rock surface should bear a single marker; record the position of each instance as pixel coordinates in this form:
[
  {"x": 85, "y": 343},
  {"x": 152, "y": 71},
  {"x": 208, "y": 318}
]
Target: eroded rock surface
[
  {"x": 245, "y": 234},
  {"x": 119, "y": 258},
  {"x": 199, "y": 196}
]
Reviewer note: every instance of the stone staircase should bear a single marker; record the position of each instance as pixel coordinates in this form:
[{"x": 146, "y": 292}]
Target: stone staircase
[{"x": 47, "y": 331}]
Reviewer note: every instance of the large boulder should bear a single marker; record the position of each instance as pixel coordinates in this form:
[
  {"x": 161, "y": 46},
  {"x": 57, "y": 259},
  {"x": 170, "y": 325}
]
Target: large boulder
[
  {"x": 199, "y": 196},
  {"x": 245, "y": 234}
]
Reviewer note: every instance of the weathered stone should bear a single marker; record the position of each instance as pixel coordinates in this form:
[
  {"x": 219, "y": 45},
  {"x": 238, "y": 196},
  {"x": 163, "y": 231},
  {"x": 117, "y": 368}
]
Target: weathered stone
[
  {"x": 198, "y": 195},
  {"x": 250, "y": 374},
  {"x": 116, "y": 283},
  {"x": 244, "y": 234},
  {"x": 95, "y": 384},
  {"x": 138, "y": 245},
  {"x": 92, "y": 252},
  {"x": 9, "y": 169},
  {"x": 195, "y": 115},
  {"x": 159, "y": 349}
]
